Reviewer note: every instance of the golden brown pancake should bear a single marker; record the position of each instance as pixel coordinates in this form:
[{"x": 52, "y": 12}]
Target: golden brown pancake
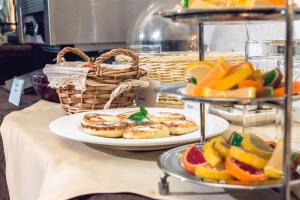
[
  {"x": 181, "y": 127},
  {"x": 165, "y": 116},
  {"x": 146, "y": 132},
  {"x": 103, "y": 125}
]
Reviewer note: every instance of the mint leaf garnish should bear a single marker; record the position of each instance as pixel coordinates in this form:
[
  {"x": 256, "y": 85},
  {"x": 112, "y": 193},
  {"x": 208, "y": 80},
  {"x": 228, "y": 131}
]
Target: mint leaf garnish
[
  {"x": 139, "y": 117},
  {"x": 293, "y": 157},
  {"x": 194, "y": 80},
  {"x": 236, "y": 139},
  {"x": 143, "y": 110}
]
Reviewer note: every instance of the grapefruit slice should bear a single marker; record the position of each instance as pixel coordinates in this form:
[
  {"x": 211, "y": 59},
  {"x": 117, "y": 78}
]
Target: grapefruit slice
[
  {"x": 247, "y": 157},
  {"x": 271, "y": 143},
  {"x": 257, "y": 145},
  {"x": 243, "y": 171},
  {"x": 191, "y": 158},
  {"x": 215, "y": 173}
]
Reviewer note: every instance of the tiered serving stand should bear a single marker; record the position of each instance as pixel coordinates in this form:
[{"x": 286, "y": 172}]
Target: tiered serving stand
[{"x": 169, "y": 161}]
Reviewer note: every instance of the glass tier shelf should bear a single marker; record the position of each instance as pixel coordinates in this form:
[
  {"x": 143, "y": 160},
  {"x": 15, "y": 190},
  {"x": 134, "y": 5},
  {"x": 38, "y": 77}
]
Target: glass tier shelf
[
  {"x": 169, "y": 162},
  {"x": 215, "y": 15},
  {"x": 177, "y": 90}
]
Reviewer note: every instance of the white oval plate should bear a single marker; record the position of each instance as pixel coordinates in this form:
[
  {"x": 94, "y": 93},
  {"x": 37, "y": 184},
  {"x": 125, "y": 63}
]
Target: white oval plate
[{"x": 70, "y": 127}]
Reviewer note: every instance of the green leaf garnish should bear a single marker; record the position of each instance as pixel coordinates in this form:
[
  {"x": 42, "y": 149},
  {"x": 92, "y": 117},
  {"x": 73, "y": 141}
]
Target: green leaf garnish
[
  {"x": 194, "y": 80},
  {"x": 293, "y": 157},
  {"x": 236, "y": 139},
  {"x": 269, "y": 77},
  {"x": 143, "y": 110},
  {"x": 139, "y": 117}
]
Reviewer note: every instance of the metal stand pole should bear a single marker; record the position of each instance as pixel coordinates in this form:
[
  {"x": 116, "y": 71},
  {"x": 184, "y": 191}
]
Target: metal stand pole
[
  {"x": 202, "y": 123},
  {"x": 201, "y": 42},
  {"x": 244, "y": 119},
  {"x": 288, "y": 98},
  {"x": 202, "y": 104}
]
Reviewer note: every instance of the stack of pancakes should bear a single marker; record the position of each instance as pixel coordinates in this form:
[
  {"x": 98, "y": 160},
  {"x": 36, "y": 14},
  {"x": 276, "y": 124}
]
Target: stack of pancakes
[{"x": 159, "y": 125}]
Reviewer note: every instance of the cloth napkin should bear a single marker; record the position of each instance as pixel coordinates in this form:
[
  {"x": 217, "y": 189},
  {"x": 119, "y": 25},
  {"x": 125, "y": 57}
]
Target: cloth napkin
[{"x": 67, "y": 73}]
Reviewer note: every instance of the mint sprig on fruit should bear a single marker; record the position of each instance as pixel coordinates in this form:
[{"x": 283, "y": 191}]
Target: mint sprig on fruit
[{"x": 236, "y": 139}]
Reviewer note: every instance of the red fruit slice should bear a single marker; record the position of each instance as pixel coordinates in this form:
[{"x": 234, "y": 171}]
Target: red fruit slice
[
  {"x": 243, "y": 171},
  {"x": 191, "y": 158},
  {"x": 272, "y": 143}
]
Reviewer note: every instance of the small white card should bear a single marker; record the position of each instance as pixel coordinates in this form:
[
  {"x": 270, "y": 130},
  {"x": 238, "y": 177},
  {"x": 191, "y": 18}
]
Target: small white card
[
  {"x": 16, "y": 91},
  {"x": 189, "y": 105},
  {"x": 195, "y": 106}
]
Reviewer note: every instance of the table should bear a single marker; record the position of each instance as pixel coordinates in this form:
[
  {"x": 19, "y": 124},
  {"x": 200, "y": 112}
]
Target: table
[
  {"x": 28, "y": 100},
  {"x": 5, "y": 109},
  {"x": 176, "y": 189}
]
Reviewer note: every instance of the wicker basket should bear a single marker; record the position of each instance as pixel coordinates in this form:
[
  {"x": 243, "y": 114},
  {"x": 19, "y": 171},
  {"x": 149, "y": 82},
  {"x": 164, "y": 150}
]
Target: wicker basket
[
  {"x": 101, "y": 84},
  {"x": 171, "y": 68}
]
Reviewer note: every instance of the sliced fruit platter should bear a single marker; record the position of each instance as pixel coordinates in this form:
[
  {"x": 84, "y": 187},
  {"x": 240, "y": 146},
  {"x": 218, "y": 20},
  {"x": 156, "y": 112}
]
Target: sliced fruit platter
[
  {"x": 204, "y": 4},
  {"x": 235, "y": 81},
  {"x": 220, "y": 82},
  {"x": 243, "y": 161}
]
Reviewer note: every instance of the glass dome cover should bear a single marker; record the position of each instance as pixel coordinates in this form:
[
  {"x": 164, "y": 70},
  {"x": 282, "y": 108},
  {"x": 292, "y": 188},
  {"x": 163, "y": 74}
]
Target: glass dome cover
[{"x": 151, "y": 33}]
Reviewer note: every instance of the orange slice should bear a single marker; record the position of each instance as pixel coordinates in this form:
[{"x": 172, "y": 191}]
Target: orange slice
[
  {"x": 243, "y": 171},
  {"x": 213, "y": 76},
  {"x": 280, "y": 92},
  {"x": 251, "y": 83},
  {"x": 242, "y": 72},
  {"x": 189, "y": 89},
  {"x": 238, "y": 93}
]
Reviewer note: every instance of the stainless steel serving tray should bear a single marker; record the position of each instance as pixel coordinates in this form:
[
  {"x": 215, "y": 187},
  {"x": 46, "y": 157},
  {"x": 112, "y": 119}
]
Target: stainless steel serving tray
[
  {"x": 169, "y": 162},
  {"x": 177, "y": 90},
  {"x": 215, "y": 15}
]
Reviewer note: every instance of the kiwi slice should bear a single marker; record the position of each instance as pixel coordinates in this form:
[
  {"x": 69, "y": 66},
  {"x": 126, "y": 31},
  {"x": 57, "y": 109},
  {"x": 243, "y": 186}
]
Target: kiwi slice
[
  {"x": 265, "y": 92},
  {"x": 273, "y": 78}
]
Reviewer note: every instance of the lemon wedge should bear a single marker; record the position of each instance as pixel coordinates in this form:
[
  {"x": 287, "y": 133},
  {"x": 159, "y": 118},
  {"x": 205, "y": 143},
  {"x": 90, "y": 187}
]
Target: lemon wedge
[
  {"x": 256, "y": 145},
  {"x": 210, "y": 154},
  {"x": 199, "y": 64},
  {"x": 273, "y": 169},
  {"x": 215, "y": 173},
  {"x": 247, "y": 157},
  {"x": 222, "y": 147}
]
